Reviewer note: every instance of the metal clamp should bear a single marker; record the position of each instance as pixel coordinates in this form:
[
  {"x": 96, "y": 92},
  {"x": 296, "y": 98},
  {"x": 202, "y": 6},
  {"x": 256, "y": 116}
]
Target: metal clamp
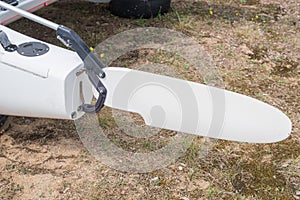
[
  {"x": 6, "y": 44},
  {"x": 88, "y": 108},
  {"x": 92, "y": 64}
]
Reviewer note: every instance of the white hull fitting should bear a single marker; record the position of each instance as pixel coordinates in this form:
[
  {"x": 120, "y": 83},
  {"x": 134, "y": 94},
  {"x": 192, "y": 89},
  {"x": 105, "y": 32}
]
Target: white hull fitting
[{"x": 42, "y": 86}]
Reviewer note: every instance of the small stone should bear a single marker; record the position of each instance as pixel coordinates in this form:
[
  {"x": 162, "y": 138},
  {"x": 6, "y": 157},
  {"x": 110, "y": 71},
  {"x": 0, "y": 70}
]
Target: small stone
[
  {"x": 66, "y": 190},
  {"x": 182, "y": 164},
  {"x": 298, "y": 192},
  {"x": 154, "y": 179},
  {"x": 27, "y": 121},
  {"x": 123, "y": 192},
  {"x": 285, "y": 165},
  {"x": 184, "y": 198},
  {"x": 180, "y": 168}
]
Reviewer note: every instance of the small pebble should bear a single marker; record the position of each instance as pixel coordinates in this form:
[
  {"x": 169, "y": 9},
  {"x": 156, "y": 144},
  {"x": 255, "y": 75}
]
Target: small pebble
[
  {"x": 180, "y": 168},
  {"x": 66, "y": 190},
  {"x": 298, "y": 193},
  {"x": 285, "y": 165},
  {"x": 184, "y": 198},
  {"x": 27, "y": 121},
  {"x": 154, "y": 179}
]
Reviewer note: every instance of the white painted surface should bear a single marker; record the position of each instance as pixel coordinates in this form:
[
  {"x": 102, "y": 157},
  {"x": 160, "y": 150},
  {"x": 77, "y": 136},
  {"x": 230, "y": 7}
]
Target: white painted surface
[
  {"x": 217, "y": 113},
  {"x": 43, "y": 86}
]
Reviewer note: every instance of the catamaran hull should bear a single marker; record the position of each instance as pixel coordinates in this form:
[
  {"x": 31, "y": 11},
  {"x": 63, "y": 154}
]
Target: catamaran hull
[{"x": 52, "y": 85}]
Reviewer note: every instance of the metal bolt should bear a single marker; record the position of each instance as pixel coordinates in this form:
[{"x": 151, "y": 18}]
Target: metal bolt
[
  {"x": 74, "y": 115},
  {"x": 79, "y": 109},
  {"x": 102, "y": 75}
]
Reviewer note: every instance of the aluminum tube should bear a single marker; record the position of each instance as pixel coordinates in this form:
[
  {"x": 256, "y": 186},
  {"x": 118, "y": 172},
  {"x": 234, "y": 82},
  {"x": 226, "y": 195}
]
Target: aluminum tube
[{"x": 30, "y": 16}]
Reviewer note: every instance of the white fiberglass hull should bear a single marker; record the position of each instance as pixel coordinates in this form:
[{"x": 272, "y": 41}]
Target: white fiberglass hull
[{"x": 49, "y": 85}]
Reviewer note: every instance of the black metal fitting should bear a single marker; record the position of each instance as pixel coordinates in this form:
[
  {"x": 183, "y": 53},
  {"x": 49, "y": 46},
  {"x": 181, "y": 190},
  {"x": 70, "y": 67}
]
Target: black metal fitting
[{"x": 93, "y": 65}]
